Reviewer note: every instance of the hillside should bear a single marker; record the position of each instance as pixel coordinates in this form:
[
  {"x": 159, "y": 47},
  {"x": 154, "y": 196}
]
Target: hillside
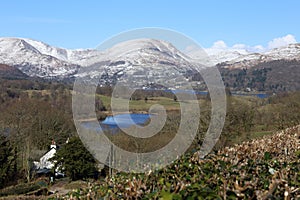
[
  {"x": 266, "y": 168},
  {"x": 271, "y": 76},
  {"x": 8, "y": 72}
]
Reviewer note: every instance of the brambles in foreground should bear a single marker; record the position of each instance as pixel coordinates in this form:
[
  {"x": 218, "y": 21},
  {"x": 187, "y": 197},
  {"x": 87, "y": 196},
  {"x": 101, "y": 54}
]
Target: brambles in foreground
[{"x": 267, "y": 168}]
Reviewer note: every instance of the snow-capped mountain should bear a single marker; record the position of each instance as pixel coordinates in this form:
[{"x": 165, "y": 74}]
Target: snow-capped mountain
[
  {"x": 142, "y": 61},
  {"x": 27, "y": 58},
  {"x": 290, "y": 52},
  {"x": 222, "y": 55},
  {"x": 77, "y": 56},
  {"x": 36, "y": 58}
]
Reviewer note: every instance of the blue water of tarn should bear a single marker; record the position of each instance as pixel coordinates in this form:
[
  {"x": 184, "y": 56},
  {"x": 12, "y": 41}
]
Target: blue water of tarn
[{"x": 113, "y": 123}]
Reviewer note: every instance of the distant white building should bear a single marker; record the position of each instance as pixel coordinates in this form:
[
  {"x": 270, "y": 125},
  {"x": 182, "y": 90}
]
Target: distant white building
[{"x": 248, "y": 89}]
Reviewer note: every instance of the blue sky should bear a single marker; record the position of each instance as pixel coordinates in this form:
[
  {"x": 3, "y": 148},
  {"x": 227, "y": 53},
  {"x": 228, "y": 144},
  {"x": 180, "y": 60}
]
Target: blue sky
[{"x": 85, "y": 24}]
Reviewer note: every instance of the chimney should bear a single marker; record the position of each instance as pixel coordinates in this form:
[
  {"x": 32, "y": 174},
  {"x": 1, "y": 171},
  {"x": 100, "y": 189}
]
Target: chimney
[{"x": 53, "y": 145}]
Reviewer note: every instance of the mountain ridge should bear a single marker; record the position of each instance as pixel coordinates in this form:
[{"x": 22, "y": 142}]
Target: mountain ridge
[
  {"x": 38, "y": 59},
  {"x": 290, "y": 52}
]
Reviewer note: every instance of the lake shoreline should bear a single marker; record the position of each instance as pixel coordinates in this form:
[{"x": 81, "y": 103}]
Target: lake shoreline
[
  {"x": 123, "y": 120},
  {"x": 110, "y": 114}
]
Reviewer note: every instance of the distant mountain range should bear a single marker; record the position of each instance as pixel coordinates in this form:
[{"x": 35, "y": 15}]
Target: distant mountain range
[
  {"x": 32, "y": 58},
  {"x": 290, "y": 52}
]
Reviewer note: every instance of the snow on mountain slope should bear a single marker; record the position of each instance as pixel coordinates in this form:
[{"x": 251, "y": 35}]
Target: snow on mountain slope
[
  {"x": 219, "y": 56},
  {"x": 289, "y": 52},
  {"x": 46, "y": 49},
  {"x": 147, "y": 60},
  {"x": 36, "y": 58},
  {"x": 31, "y": 61},
  {"x": 141, "y": 50},
  {"x": 77, "y": 56}
]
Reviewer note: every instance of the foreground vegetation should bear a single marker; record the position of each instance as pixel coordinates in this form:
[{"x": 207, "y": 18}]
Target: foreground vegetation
[{"x": 266, "y": 168}]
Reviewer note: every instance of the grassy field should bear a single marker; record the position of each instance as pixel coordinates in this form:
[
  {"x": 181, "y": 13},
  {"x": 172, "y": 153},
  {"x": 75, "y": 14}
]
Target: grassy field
[{"x": 142, "y": 105}]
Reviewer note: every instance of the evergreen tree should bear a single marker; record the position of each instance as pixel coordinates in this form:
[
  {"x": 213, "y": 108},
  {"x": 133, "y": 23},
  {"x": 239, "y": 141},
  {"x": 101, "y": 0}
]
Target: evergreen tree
[
  {"x": 7, "y": 161},
  {"x": 75, "y": 161}
]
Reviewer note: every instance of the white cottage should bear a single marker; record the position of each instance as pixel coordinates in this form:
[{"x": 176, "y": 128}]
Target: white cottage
[{"x": 44, "y": 166}]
